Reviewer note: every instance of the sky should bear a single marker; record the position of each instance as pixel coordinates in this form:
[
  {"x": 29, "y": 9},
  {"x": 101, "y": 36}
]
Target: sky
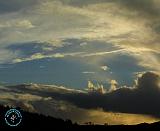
[{"x": 70, "y": 42}]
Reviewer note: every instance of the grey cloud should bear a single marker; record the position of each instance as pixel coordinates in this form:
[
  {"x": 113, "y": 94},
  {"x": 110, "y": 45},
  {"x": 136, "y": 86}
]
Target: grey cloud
[
  {"x": 142, "y": 99},
  {"x": 149, "y": 9},
  {"x": 143, "y": 6},
  {"x": 81, "y": 3},
  {"x": 7, "y": 6},
  {"x": 149, "y": 82}
]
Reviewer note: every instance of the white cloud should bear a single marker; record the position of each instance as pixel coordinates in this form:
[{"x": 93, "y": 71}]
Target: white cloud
[
  {"x": 69, "y": 54},
  {"x": 114, "y": 85},
  {"x": 104, "y": 68},
  {"x": 26, "y": 24},
  {"x": 102, "y": 53},
  {"x": 88, "y": 72},
  {"x": 41, "y": 56},
  {"x": 83, "y": 43},
  {"x": 51, "y": 88}
]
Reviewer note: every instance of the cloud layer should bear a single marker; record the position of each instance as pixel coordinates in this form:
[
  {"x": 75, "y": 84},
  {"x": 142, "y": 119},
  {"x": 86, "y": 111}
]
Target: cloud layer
[
  {"x": 124, "y": 105},
  {"x": 130, "y": 25},
  {"x": 141, "y": 99}
]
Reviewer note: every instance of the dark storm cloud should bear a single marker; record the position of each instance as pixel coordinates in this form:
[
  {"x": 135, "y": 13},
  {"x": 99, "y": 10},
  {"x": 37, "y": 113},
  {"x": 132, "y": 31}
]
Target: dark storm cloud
[
  {"x": 144, "y": 99},
  {"x": 7, "y": 6}
]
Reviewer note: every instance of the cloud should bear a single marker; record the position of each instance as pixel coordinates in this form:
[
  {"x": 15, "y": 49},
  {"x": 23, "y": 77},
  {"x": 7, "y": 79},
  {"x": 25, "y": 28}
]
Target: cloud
[
  {"x": 147, "y": 7},
  {"x": 7, "y": 56},
  {"x": 149, "y": 82},
  {"x": 102, "y": 53},
  {"x": 114, "y": 22},
  {"x": 88, "y": 72},
  {"x": 25, "y": 24},
  {"x": 45, "y": 88},
  {"x": 83, "y": 43},
  {"x": 23, "y": 100},
  {"x": 42, "y": 15},
  {"x": 104, "y": 68},
  {"x": 114, "y": 85},
  {"x": 142, "y": 98},
  {"x": 42, "y": 56},
  {"x": 52, "y": 49},
  {"x": 15, "y": 5},
  {"x": 145, "y": 98}
]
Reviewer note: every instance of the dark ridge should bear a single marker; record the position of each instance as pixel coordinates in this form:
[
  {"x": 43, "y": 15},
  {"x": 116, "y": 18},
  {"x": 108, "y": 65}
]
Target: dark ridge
[
  {"x": 39, "y": 121},
  {"x": 34, "y": 120}
]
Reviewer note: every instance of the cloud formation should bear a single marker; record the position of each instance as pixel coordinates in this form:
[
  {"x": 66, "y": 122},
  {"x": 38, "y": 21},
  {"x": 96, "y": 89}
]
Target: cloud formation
[
  {"x": 142, "y": 98},
  {"x": 145, "y": 97},
  {"x": 17, "y": 24},
  {"x": 15, "y": 5},
  {"x": 133, "y": 26},
  {"x": 125, "y": 105}
]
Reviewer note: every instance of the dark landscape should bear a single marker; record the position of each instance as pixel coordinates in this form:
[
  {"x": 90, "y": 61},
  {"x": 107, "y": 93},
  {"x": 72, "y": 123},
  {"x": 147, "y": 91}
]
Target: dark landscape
[{"x": 36, "y": 121}]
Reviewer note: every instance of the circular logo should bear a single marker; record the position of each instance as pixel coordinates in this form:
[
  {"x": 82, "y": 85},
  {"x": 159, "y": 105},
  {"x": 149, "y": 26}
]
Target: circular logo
[{"x": 13, "y": 117}]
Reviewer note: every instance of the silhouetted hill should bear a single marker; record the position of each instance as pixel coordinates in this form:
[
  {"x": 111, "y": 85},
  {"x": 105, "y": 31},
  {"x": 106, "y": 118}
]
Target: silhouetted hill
[{"x": 33, "y": 120}]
